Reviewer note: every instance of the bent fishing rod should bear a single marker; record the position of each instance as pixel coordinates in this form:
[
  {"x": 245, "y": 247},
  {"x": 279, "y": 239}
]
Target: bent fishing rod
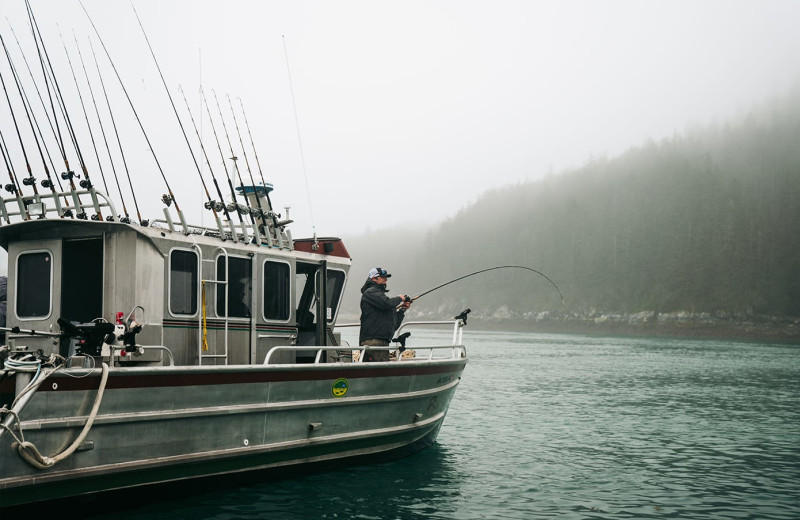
[{"x": 490, "y": 269}]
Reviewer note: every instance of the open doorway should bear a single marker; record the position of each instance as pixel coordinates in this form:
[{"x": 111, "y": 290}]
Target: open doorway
[{"x": 82, "y": 280}]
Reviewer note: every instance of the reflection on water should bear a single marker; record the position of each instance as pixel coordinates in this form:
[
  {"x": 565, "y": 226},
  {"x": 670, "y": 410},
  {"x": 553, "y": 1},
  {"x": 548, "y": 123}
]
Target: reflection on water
[
  {"x": 425, "y": 485},
  {"x": 550, "y": 426}
]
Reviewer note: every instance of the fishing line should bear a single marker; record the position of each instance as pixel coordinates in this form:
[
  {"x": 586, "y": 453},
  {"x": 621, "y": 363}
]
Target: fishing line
[
  {"x": 491, "y": 269},
  {"x": 299, "y": 138}
]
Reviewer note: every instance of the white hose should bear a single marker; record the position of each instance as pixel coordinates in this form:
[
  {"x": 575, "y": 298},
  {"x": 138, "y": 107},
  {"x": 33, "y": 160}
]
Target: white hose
[{"x": 31, "y": 454}]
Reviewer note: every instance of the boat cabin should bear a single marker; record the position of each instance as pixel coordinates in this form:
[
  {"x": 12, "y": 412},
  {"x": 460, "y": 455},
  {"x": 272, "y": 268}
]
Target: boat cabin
[{"x": 209, "y": 296}]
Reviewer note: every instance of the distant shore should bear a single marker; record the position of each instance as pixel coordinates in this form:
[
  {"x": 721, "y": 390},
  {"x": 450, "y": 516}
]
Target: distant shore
[
  {"x": 726, "y": 331},
  {"x": 723, "y": 326}
]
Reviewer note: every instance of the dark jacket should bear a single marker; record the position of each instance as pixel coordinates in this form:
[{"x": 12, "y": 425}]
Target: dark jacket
[{"x": 379, "y": 315}]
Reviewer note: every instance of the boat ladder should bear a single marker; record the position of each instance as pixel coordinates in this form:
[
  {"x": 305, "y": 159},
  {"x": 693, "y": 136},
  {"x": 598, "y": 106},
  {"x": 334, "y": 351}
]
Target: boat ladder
[{"x": 202, "y": 344}]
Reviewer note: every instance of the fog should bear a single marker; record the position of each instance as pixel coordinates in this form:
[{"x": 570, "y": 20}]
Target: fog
[{"x": 396, "y": 112}]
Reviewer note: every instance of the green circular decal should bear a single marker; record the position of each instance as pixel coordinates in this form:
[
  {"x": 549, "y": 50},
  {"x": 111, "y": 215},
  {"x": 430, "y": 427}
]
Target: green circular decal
[{"x": 339, "y": 387}]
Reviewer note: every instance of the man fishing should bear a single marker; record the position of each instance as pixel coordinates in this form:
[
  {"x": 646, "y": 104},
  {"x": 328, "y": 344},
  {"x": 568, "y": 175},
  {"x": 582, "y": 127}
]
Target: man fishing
[{"x": 380, "y": 315}]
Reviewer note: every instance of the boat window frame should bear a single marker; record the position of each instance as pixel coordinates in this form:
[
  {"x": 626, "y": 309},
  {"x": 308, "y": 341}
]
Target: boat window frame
[
  {"x": 334, "y": 314},
  {"x": 198, "y": 303},
  {"x": 17, "y": 290},
  {"x": 219, "y": 286},
  {"x": 263, "y": 290}
]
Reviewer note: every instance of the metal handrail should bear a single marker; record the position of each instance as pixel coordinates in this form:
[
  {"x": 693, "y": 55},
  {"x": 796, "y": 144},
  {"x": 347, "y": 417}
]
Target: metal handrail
[
  {"x": 99, "y": 200},
  {"x": 457, "y": 324},
  {"x": 457, "y": 348},
  {"x": 320, "y": 350}
]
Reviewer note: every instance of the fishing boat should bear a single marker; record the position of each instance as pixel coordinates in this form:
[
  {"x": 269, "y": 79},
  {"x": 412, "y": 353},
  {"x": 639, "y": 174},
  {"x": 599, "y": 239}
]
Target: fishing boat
[{"x": 140, "y": 352}]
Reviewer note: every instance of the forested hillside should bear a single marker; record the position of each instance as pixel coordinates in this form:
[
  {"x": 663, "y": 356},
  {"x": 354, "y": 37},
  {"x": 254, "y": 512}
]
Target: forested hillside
[{"x": 705, "y": 221}]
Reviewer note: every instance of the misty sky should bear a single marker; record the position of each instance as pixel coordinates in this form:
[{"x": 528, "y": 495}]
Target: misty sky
[{"x": 407, "y": 110}]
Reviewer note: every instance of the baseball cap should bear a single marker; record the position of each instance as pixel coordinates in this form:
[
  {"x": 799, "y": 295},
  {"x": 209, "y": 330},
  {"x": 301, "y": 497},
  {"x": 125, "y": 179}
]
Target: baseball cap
[{"x": 378, "y": 271}]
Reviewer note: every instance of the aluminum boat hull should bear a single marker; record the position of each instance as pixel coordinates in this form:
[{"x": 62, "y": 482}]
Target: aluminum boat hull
[{"x": 165, "y": 424}]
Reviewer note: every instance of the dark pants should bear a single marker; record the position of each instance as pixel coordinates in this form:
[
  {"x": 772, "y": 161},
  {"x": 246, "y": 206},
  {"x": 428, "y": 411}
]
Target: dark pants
[{"x": 375, "y": 355}]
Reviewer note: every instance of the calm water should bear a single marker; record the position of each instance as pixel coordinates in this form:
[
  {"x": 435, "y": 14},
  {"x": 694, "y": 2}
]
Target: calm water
[{"x": 555, "y": 426}]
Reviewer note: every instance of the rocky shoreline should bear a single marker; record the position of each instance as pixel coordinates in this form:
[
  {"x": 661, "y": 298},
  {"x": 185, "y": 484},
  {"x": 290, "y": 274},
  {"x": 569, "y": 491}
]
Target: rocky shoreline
[{"x": 720, "y": 325}]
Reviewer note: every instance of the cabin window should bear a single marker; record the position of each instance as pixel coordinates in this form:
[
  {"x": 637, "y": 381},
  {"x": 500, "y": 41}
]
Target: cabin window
[
  {"x": 276, "y": 291},
  {"x": 333, "y": 291},
  {"x": 239, "y": 277},
  {"x": 34, "y": 284},
  {"x": 182, "y": 282}
]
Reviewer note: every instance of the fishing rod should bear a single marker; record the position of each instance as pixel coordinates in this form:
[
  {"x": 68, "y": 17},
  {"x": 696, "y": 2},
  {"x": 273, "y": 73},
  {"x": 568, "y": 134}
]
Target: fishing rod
[
  {"x": 210, "y": 204},
  {"x": 485, "y": 270},
  {"x": 110, "y": 218},
  {"x": 30, "y": 180},
  {"x": 221, "y": 204},
  {"x": 14, "y": 186},
  {"x": 169, "y": 197},
  {"x": 68, "y": 174},
  {"x": 234, "y": 203},
  {"x": 260, "y": 171},
  {"x": 236, "y": 168},
  {"x": 8, "y": 168},
  {"x": 261, "y": 213},
  {"x": 126, "y": 219},
  {"x": 39, "y": 140},
  {"x": 46, "y": 112},
  {"x": 86, "y": 183}
]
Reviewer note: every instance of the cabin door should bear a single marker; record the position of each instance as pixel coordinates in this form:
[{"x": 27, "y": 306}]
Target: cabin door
[
  {"x": 82, "y": 280},
  {"x": 311, "y": 284}
]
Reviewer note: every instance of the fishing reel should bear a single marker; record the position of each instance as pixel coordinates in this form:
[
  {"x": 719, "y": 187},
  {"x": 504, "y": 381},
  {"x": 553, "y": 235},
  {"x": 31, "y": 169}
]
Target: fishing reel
[
  {"x": 29, "y": 181},
  {"x": 10, "y": 188},
  {"x": 68, "y": 175},
  {"x": 85, "y": 184},
  {"x": 402, "y": 340},
  {"x": 47, "y": 183},
  {"x": 166, "y": 199},
  {"x": 88, "y": 338},
  {"x": 214, "y": 205},
  {"x": 128, "y": 338},
  {"x": 463, "y": 316}
]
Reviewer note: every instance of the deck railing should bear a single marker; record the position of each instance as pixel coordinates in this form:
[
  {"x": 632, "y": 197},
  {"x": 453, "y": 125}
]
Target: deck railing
[{"x": 456, "y": 349}]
